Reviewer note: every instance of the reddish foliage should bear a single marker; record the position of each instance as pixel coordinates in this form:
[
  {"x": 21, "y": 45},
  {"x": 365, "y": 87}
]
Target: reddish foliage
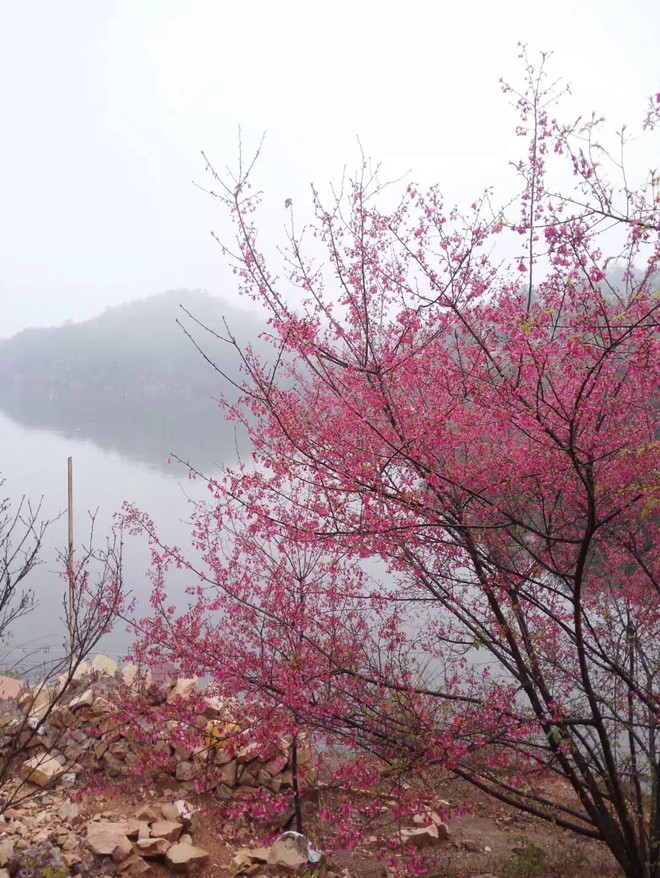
[{"x": 472, "y": 399}]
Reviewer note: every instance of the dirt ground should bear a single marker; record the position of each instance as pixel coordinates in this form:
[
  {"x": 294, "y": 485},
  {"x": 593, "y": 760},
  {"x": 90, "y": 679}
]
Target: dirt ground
[{"x": 486, "y": 839}]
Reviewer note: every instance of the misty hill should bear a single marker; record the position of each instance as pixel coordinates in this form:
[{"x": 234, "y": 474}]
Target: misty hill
[{"x": 130, "y": 380}]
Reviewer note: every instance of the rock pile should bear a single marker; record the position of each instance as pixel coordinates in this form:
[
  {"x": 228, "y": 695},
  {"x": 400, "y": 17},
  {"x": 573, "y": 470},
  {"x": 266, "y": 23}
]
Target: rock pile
[
  {"x": 48, "y": 836},
  {"x": 291, "y": 852},
  {"x": 86, "y": 730},
  {"x": 159, "y": 831}
]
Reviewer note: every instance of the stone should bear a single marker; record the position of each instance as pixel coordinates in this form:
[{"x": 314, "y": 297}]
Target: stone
[
  {"x": 152, "y": 847},
  {"x": 214, "y": 707},
  {"x": 292, "y": 851},
  {"x": 70, "y": 843},
  {"x": 248, "y": 752},
  {"x": 120, "y": 749},
  {"x": 423, "y": 836},
  {"x": 186, "y": 814},
  {"x": 182, "y": 857},
  {"x": 104, "y": 665},
  {"x": 131, "y": 675},
  {"x": 276, "y": 765},
  {"x": 85, "y": 699},
  {"x": 228, "y": 773},
  {"x": 287, "y": 779},
  {"x": 133, "y": 828},
  {"x": 68, "y": 780},
  {"x": 41, "y": 770},
  {"x": 11, "y": 688},
  {"x": 149, "y": 813},
  {"x": 134, "y": 865},
  {"x": 103, "y": 838},
  {"x": 432, "y": 819},
  {"x": 82, "y": 670},
  {"x": 244, "y": 858},
  {"x": 61, "y": 717},
  {"x": 40, "y": 860},
  {"x": 11, "y": 716},
  {"x": 99, "y": 749},
  {"x": 162, "y": 676},
  {"x": 6, "y": 851},
  {"x": 185, "y": 771},
  {"x": 121, "y": 850},
  {"x": 167, "y": 829},
  {"x": 69, "y": 813},
  {"x": 183, "y": 688},
  {"x": 169, "y": 812}
]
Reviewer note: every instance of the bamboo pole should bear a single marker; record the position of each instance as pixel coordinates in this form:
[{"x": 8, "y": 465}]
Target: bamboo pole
[{"x": 72, "y": 620}]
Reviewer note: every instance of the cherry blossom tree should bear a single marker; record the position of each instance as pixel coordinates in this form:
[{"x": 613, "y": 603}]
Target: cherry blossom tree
[{"x": 471, "y": 399}]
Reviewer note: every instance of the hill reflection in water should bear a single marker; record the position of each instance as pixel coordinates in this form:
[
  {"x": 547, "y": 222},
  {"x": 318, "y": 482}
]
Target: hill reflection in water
[{"x": 130, "y": 380}]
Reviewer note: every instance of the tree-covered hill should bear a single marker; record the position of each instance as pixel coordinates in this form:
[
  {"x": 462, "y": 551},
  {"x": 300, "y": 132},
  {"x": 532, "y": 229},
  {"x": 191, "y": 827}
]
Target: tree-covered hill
[{"x": 130, "y": 379}]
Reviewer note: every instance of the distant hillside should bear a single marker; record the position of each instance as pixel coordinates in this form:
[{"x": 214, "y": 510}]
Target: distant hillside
[{"x": 129, "y": 379}]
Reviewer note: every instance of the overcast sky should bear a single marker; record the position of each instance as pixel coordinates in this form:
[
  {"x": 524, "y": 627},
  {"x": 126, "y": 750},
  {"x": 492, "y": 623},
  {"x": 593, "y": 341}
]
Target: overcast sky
[{"x": 106, "y": 104}]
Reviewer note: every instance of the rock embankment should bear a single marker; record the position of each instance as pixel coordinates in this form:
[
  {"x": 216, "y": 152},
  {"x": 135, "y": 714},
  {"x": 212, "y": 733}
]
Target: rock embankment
[
  {"x": 50, "y": 837},
  {"x": 200, "y": 741}
]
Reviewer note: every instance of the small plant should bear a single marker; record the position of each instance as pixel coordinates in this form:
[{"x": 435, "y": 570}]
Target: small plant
[{"x": 530, "y": 861}]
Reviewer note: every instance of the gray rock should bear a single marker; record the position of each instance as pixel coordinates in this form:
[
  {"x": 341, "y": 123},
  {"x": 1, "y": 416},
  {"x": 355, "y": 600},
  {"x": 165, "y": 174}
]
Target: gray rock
[{"x": 42, "y": 859}]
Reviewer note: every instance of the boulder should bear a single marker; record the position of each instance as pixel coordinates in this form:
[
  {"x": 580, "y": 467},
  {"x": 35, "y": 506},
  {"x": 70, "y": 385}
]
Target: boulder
[
  {"x": 41, "y": 770},
  {"x": 134, "y": 865},
  {"x": 151, "y": 847},
  {"x": 183, "y": 688},
  {"x": 103, "y": 838},
  {"x": 122, "y": 850},
  {"x": 69, "y": 813},
  {"x": 186, "y": 771},
  {"x": 103, "y": 665},
  {"x": 276, "y": 765},
  {"x": 41, "y": 860},
  {"x": 293, "y": 851},
  {"x": 134, "y": 826},
  {"x": 245, "y": 858},
  {"x": 11, "y": 717},
  {"x": 162, "y": 676},
  {"x": 82, "y": 670},
  {"x": 6, "y": 851},
  {"x": 228, "y": 773},
  {"x": 182, "y": 857},
  {"x": 167, "y": 829},
  {"x": 185, "y": 814},
  {"x": 85, "y": 699},
  {"x": 426, "y": 835},
  {"x": 149, "y": 813},
  {"x": 131, "y": 675},
  {"x": 432, "y": 819},
  {"x": 11, "y": 688}
]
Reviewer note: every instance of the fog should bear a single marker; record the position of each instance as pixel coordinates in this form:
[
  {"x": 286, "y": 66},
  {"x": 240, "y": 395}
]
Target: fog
[{"x": 106, "y": 106}]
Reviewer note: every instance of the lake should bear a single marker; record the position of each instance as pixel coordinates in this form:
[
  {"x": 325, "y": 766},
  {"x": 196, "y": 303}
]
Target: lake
[{"x": 33, "y": 462}]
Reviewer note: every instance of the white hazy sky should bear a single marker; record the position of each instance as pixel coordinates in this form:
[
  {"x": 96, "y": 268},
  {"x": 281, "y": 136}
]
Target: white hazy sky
[{"x": 106, "y": 104}]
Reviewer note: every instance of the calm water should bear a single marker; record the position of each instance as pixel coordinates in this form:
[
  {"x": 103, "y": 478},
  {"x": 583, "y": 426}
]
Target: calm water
[
  {"x": 34, "y": 463},
  {"x": 33, "y": 460}
]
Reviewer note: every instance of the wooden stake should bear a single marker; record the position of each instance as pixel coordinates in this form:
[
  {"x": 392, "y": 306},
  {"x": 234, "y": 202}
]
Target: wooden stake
[{"x": 72, "y": 620}]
